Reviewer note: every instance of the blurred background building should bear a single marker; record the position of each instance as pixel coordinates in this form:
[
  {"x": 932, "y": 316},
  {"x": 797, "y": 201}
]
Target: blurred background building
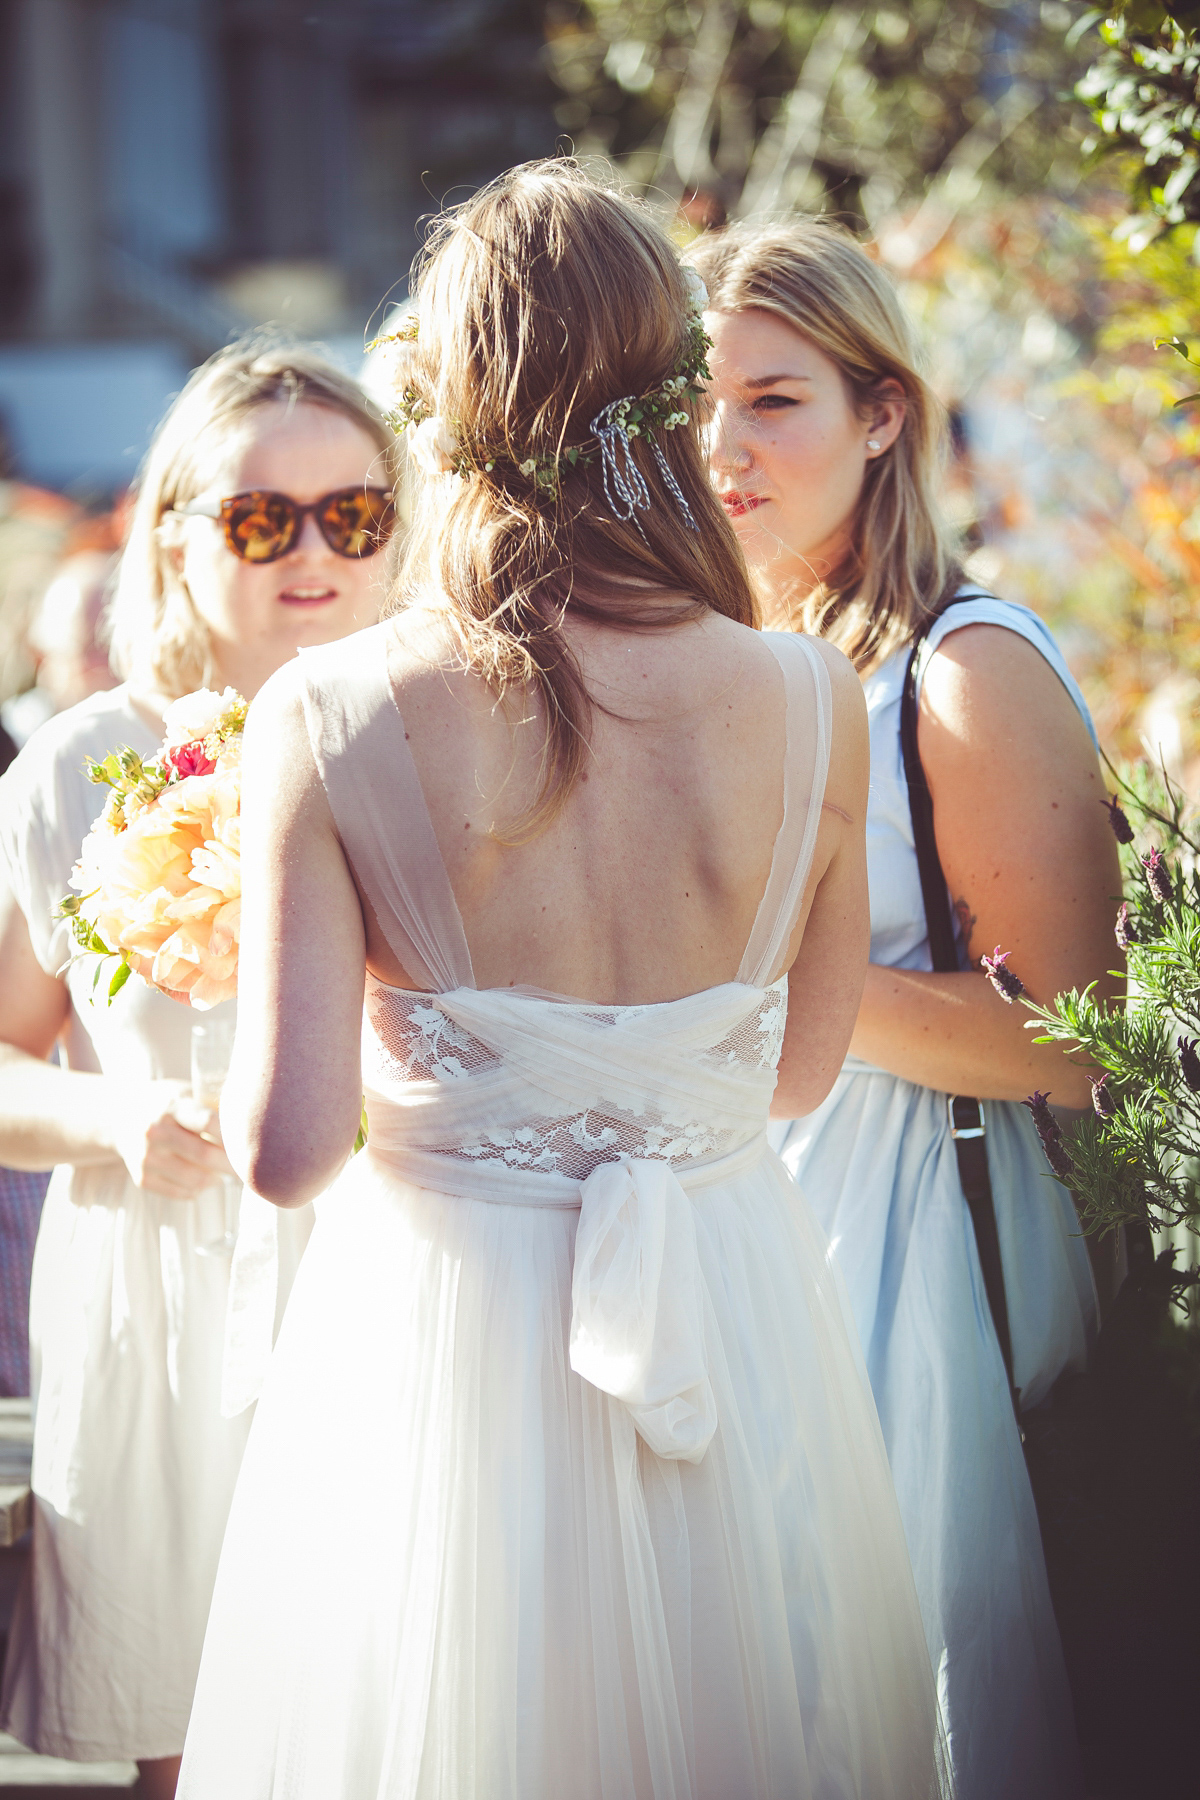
[{"x": 174, "y": 170}]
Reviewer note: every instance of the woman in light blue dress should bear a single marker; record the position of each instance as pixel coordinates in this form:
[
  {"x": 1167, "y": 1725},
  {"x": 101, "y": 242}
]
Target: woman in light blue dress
[{"x": 825, "y": 449}]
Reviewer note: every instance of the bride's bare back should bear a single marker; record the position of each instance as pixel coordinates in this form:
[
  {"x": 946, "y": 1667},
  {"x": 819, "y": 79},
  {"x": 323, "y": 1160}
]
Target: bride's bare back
[
  {"x": 645, "y": 886},
  {"x": 642, "y": 889}
]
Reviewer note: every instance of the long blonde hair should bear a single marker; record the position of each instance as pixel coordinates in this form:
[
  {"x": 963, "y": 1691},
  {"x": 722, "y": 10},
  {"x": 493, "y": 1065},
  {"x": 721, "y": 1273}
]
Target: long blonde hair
[
  {"x": 158, "y": 637},
  {"x": 540, "y": 301},
  {"x": 814, "y": 275}
]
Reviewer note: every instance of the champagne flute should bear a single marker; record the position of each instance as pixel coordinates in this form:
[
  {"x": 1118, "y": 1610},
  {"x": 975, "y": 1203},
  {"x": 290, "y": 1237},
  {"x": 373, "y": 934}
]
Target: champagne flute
[{"x": 212, "y": 1048}]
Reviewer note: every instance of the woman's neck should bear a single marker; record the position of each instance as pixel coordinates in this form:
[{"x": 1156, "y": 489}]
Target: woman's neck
[
  {"x": 787, "y": 587},
  {"x": 149, "y": 704}
]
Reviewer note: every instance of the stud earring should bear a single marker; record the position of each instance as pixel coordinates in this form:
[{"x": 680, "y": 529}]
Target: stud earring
[{"x": 872, "y": 443}]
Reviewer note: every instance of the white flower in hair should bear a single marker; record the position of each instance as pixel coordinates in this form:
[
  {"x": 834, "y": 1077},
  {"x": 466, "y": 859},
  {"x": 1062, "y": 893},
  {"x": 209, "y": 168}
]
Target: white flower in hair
[
  {"x": 433, "y": 446},
  {"x": 697, "y": 292}
]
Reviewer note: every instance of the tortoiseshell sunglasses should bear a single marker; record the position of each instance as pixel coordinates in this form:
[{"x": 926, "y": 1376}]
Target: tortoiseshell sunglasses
[{"x": 261, "y": 526}]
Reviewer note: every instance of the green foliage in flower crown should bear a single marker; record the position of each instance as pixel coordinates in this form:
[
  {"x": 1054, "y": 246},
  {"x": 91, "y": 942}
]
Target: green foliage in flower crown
[
  {"x": 659, "y": 409},
  {"x": 1139, "y": 1159}
]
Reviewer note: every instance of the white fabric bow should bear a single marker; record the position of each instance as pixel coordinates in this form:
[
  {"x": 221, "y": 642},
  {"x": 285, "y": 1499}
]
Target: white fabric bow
[{"x": 638, "y": 1305}]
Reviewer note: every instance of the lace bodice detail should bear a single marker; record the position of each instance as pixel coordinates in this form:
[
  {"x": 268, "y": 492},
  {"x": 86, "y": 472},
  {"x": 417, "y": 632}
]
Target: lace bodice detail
[{"x": 410, "y": 1039}]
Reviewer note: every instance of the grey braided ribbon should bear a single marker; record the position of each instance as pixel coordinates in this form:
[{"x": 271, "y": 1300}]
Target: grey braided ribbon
[
  {"x": 624, "y": 484},
  {"x": 668, "y": 475}
]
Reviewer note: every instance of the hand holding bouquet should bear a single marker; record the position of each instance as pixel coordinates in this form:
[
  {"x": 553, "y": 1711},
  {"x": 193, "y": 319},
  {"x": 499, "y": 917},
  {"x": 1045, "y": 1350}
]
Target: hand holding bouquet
[{"x": 159, "y": 878}]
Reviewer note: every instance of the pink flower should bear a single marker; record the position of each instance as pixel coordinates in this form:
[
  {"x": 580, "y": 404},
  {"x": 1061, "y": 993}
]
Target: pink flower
[{"x": 189, "y": 759}]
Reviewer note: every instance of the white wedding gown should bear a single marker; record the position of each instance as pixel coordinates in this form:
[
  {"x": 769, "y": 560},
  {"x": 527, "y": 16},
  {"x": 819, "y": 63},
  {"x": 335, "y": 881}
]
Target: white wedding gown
[{"x": 456, "y": 1568}]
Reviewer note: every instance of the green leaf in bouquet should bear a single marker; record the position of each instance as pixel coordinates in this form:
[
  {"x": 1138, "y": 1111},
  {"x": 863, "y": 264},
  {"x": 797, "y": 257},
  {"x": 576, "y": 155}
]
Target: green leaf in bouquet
[
  {"x": 124, "y": 971},
  {"x": 105, "y": 772}
]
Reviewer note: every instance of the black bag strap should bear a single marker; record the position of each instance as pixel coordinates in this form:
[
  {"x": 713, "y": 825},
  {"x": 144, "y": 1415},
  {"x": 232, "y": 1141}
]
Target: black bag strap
[{"x": 968, "y": 1123}]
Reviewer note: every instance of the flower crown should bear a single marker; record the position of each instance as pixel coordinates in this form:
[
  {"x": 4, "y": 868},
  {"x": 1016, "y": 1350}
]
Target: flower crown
[{"x": 439, "y": 447}]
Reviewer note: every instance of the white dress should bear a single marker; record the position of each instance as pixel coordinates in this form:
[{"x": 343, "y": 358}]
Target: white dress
[
  {"x": 133, "y": 1464},
  {"x": 681, "y": 1576},
  {"x": 878, "y": 1164}
]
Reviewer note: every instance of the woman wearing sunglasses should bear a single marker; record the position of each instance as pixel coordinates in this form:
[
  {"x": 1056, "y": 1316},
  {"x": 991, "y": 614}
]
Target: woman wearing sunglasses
[{"x": 262, "y": 511}]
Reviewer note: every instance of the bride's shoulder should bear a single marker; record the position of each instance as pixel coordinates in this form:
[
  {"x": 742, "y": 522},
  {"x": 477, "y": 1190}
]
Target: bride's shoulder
[
  {"x": 837, "y": 665},
  {"x": 346, "y": 658},
  {"x": 847, "y": 700},
  {"x": 317, "y": 671}
]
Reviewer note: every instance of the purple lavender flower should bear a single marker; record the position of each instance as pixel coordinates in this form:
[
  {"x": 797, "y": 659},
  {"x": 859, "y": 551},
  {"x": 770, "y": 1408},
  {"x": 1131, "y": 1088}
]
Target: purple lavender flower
[
  {"x": 1126, "y": 930},
  {"x": 1103, "y": 1103},
  {"x": 1043, "y": 1118},
  {"x": 1122, "y": 830},
  {"x": 1158, "y": 875},
  {"x": 1190, "y": 1063},
  {"x": 1059, "y": 1160},
  {"x": 1007, "y": 985},
  {"x": 1050, "y": 1135}
]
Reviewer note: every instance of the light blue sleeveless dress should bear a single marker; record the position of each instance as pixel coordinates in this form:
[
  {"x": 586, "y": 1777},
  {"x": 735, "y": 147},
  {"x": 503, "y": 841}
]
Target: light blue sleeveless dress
[{"x": 878, "y": 1166}]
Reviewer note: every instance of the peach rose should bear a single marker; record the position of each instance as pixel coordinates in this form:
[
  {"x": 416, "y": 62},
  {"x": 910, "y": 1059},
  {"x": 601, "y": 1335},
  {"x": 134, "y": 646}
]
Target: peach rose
[{"x": 166, "y": 890}]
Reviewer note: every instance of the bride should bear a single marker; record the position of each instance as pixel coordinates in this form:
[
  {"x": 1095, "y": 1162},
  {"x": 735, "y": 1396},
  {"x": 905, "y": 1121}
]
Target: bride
[{"x": 566, "y": 1479}]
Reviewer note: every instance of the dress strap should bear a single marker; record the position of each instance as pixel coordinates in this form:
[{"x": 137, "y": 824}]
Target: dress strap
[
  {"x": 364, "y": 761},
  {"x": 805, "y": 770}
]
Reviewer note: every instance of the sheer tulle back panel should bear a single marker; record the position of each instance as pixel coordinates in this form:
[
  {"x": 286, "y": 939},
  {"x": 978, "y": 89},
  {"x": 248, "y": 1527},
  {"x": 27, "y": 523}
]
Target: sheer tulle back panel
[
  {"x": 806, "y": 682},
  {"x": 375, "y": 795},
  {"x": 379, "y": 809}
]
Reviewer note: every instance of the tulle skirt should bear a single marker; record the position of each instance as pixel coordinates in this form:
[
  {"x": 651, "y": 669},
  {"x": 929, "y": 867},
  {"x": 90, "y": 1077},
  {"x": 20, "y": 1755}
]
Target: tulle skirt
[{"x": 453, "y": 1572}]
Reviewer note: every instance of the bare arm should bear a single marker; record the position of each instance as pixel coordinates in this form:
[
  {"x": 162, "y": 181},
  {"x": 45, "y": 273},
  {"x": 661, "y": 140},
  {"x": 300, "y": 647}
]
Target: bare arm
[
  {"x": 50, "y": 1115},
  {"x": 1030, "y": 861},
  {"x": 826, "y": 979},
  {"x": 291, "y": 1106}
]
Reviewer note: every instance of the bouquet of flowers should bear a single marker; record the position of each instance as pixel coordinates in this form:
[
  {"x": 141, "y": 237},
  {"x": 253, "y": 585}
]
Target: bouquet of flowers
[{"x": 158, "y": 882}]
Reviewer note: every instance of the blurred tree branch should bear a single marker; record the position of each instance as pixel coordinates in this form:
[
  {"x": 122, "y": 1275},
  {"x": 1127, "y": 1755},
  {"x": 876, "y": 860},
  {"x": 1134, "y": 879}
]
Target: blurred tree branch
[
  {"x": 789, "y": 145},
  {"x": 685, "y": 160},
  {"x": 769, "y": 104}
]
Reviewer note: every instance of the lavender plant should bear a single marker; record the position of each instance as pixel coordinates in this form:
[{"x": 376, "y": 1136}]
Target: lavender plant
[{"x": 1136, "y": 1157}]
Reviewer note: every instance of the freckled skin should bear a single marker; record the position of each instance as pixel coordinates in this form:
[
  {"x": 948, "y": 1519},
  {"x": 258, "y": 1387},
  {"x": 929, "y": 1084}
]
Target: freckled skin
[{"x": 795, "y": 445}]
